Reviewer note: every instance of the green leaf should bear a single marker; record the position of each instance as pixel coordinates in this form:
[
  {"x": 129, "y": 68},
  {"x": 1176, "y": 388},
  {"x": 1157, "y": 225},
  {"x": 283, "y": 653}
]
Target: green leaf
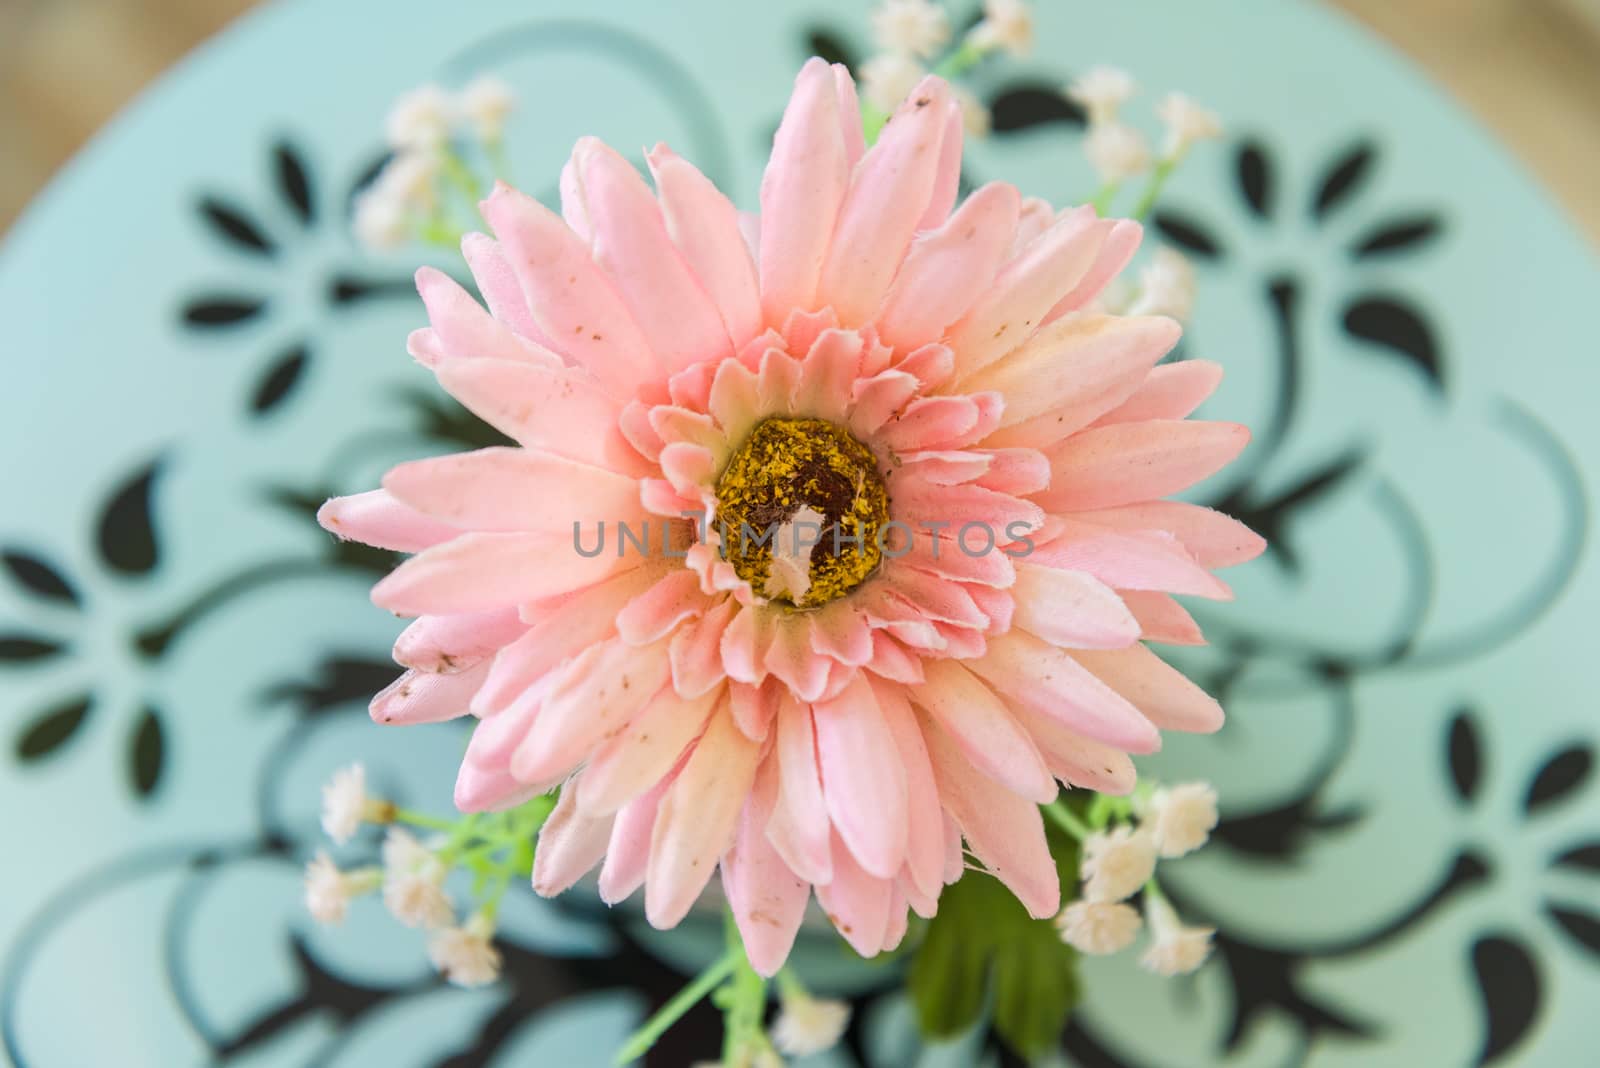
[{"x": 983, "y": 945}]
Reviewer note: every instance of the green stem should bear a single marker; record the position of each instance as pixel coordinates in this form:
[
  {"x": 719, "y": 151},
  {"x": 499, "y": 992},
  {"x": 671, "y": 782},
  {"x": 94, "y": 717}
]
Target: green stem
[
  {"x": 1104, "y": 197},
  {"x": 960, "y": 61},
  {"x": 1063, "y": 817},
  {"x": 1152, "y": 189},
  {"x": 420, "y": 819},
  {"x": 640, "y": 1041},
  {"x": 744, "y": 1001}
]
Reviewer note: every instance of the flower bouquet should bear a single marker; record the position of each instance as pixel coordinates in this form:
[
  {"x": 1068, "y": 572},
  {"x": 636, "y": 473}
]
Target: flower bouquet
[{"x": 812, "y": 581}]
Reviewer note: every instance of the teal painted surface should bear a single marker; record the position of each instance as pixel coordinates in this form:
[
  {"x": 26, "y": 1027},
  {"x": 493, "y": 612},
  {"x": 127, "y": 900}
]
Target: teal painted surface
[{"x": 1440, "y": 603}]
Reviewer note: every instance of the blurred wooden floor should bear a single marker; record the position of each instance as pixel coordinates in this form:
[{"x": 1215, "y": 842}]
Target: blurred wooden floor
[{"x": 1530, "y": 69}]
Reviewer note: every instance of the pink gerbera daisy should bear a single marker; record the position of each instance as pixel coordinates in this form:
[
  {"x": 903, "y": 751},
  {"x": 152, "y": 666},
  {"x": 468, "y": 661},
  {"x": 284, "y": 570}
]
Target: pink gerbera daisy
[{"x": 928, "y": 386}]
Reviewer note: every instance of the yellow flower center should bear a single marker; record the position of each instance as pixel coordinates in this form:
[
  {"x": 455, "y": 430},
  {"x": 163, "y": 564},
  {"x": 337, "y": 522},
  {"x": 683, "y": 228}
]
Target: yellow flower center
[{"x": 799, "y": 507}]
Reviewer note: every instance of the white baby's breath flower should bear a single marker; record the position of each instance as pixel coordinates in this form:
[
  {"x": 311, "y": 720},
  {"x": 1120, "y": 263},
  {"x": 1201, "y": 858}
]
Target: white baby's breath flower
[
  {"x": 1116, "y": 151},
  {"x": 1102, "y": 91},
  {"x": 413, "y": 882},
  {"x": 420, "y": 119},
  {"x": 1006, "y": 24},
  {"x": 911, "y": 27},
  {"x": 975, "y": 116},
  {"x": 1098, "y": 927},
  {"x": 1166, "y": 287},
  {"x": 382, "y": 221},
  {"x": 888, "y": 78},
  {"x": 329, "y": 890},
  {"x": 410, "y": 178},
  {"x": 486, "y": 103},
  {"x": 808, "y": 1025},
  {"x": 344, "y": 803},
  {"x": 1117, "y": 863},
  {"x": 1181, "y": 817},
  {"x": 1174, "y": 949},
  {"x": 1186, "y": 123},
  {"x": 465, "y": 955}
]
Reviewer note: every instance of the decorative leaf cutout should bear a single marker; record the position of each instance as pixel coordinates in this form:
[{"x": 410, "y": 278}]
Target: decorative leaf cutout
[
  {"x": 280, "y": 380},
  {"x": 1398, "y": 235},
  {"x": 1384, "y": 320},
  {"x": 1582, "y": 926},
  {"x": 20, "y": 648},
  {"x": 38, "y": 577},
  {"x": 126, "y": 531},
  {"x": 1254, "y": 169},
  {"x": 1271, "y": 518},
  {"x": 235, "y": 227},
  {"x": 826, "y": 44},
  {"x": 1187, "y": 233},
  {"x": 1343, "y": 177},
  {"x": 1584, "y": 858},
  {"x": 336, "y": 681},
  {"x": 147, "y": 753},
  {"x": 1562, "y": 774},
  {"x": 52, "y": 730},
  {"x": 346, "y": 289},
  {"x": 1466, "y": 756},
  {"x": 1027, "y": 105},
  {"x": 1510, "y": 985},
  {"x": 293, "y": 181},
  {"x": 216, "y": 311}
]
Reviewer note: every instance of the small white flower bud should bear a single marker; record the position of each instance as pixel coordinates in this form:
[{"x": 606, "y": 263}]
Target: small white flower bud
[
  {"x": 420, "y": 119},
  {"x": 486, "y": 103},
  {"x": 911, "y": 27},
  {"x": 345, "y": 803},
  {"x": 410, "y": 180},
  {"x": 1098, "y": 927},
  {"x": 1181, "y": 817},
  {"x": 1101, "y": 91},
  {"x": 329, "y": 890},
  {"x": 1007, "y": 24},
  {"x": 975, "y": 118},
  {"x": 808, "y": 1025},
  {"x": 1186, "y": 123},
  {"x": 413, "y": 882},
  {"x": 1166, "y": 287},
  {"x": 465, "y": 955},
  {"x": 1116, "y": 863},
  {"x": 1174, "y": 949},
  {"x": 381, "y": 223},
  {"x": 1116, "y": 151}
]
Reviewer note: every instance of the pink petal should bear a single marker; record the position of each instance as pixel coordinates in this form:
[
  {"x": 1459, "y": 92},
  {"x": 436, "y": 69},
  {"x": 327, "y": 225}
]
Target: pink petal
[
  {"x": 927, "y": 422},
  {"x": 704, "y": 225},
  {"x": 631, "y": 244},
  {"x": 827, "y": 374},
  {"x": 465, "y": 330},
  {"x": 628, "y": 852},
  {"x": 599, "y": 693},
  {"x": 863, "y": 781},
  {"x": 1129, "y": 560},
  {"x": 497, "y": 736},
  {"x": 450, "y": 644},
  {"x": 938, "y": 599},
  {"x": 697, "y": 819},
  {"x": 476, "y": 572},
  {"x": 801, "y": 191},
  {"x": 507, "y": 489},
  {"x": 570, "y": 843},
  {"x": 1071, "y": 609},
  {"x": 1075, "y": 759},
  {"x": 947, "y": 174},
  {"x": 942, "y": 555},
  {"x": 422, "y": 697},
  {"x": 1072, "y": 372},
  {"x": 1121, "y": 242},
  {"x": 569, "y": 296},
  {"x": 888, "y": 194},
  {"x": 768, "y": 901},
  {"x": 1129, "y": 462},
  {"x": 744, "y": 645},
  {"x": 696, "y": 651},
  {"x": 1015, "y": 304},
  {"x": 658, "y": 611},
  {"x": 899, "y": 921},
  {"x": 1035, "y": 675},
  {"x": 931, "y": 364},
  {"x": 799, "y": 827},
  {"x": 1159, "y": 690},
  {"x": 735, "y": 399},
  {"x": 1004, "y": 829},
  {"x": 644, "y": 752},
  {"x": 892, "y": 661},
  {"x": 1172, "y": 391},
  {"x": 855, "y": 141},
  {"x": 924, "y": 822},
  {"x": 1016, "y": 471},
  {"x": 376, "y": 518},
  {"x": 1162, "y": 619},
  {"x": 983, "y": 728},
  {"x": 1215, "y": 540},
  {"x": 919, "y": 502},
  {"x": 856, "y": 902},
  {"x": 498, "y": 283},
  {"x": 949, "y": 467},
  {"x": 839, "y": 631},
  {"x": 878, "y": 399},
  {"x": 585, "y": 618},
  {"x": 753, "y": 708},
  {"x": 793, "y": 662},
  {"x": 481, "y": 789}
]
